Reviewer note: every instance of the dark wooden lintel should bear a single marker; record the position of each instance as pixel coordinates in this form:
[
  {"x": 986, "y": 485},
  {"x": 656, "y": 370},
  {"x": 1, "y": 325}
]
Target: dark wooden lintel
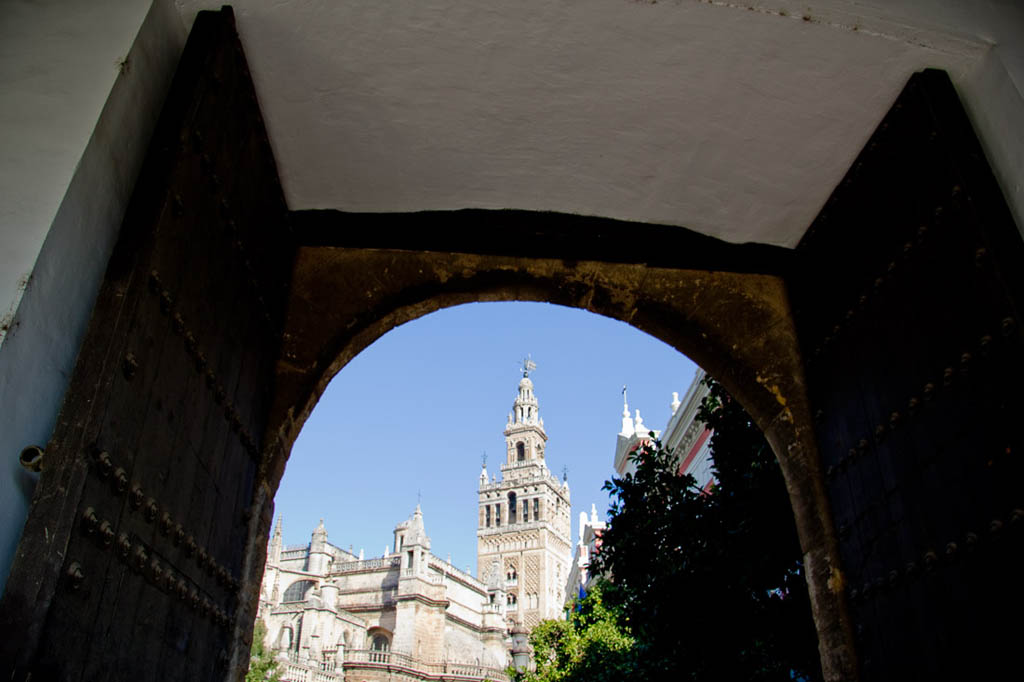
[{"x": 537, "y": 234}]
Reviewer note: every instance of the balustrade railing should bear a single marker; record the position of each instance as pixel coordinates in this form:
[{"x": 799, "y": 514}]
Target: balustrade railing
[
  {"x": 468, "y": 671},
  {"x": 445, "y": 566},
  {"x": 300, "y": 669},
  {"x": 367, "y": 564},
  {"x": 308, "y": 672}
]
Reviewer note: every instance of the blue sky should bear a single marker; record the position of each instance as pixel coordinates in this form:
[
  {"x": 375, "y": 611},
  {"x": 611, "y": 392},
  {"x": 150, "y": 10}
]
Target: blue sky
[{"x": 412, "y": 414}]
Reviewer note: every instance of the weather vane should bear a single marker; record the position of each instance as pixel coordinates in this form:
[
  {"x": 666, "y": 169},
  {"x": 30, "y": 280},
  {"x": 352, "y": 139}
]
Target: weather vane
[
  {"x": 528, "y": 365},
  {"x": 483, "y": 460}
]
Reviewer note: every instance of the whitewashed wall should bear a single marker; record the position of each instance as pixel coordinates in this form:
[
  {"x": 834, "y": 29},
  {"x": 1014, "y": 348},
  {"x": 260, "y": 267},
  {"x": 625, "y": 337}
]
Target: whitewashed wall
[{"x": 75, "y": 118}]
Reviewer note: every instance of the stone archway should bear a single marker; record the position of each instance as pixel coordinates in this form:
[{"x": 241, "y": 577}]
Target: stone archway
[
  {"x": 737, "y": 325},
  {"x": 222, "y": 317}
]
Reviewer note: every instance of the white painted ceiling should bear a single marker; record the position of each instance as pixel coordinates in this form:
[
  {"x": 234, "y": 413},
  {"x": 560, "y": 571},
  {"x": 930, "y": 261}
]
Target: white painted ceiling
[{"x": 734, "y": 120}]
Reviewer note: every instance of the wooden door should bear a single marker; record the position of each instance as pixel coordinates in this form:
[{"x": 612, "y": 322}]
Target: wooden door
[
  {"x": 908, "y": 304},
  {"x": 130, "y": 563}
]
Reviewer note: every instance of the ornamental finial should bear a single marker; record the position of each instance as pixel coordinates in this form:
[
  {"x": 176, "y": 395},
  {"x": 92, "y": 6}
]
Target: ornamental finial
[{"x": 528, "y": 365}]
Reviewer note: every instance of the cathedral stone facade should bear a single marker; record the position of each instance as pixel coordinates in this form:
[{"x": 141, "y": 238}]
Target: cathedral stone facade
[
  {"x": 524, "y": 520},
  {"x": 410, "y": 615},
  {"x": 407, "y": 615}
]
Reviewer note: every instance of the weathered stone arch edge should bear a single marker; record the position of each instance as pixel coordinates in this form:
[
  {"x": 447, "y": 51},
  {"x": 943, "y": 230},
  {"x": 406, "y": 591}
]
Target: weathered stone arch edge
[
  {"x": 737, "y": 326},
  {"x": 397, "y": 286}
]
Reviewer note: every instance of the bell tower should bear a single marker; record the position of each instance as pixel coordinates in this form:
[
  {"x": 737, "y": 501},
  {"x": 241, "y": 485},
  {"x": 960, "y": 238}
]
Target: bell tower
[
  {"x": 524, "y": 518},
  {"x": 524, "y": 432}
]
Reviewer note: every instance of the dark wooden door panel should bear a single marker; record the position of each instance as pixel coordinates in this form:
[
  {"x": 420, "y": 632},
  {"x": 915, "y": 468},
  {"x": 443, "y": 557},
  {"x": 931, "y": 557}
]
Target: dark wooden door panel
[
  {"x": 130, "y": 564},
  {"x": 907, "y": 299}
]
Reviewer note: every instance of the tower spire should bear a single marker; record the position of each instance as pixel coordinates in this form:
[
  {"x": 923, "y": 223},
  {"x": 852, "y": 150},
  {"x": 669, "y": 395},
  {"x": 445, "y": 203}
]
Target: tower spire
[
  {"x": 524, "y": 432},
  {"x": 276, "y": 542},
  {"x": 525, "y": 409},
  {"x": 627, "y": 422}
]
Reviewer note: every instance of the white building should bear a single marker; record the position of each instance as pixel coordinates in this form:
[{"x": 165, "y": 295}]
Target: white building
[
  {"x": 686, "y": 437},
  {"x": 406, "y": 615},
  {"x": 580, "y": 576}
]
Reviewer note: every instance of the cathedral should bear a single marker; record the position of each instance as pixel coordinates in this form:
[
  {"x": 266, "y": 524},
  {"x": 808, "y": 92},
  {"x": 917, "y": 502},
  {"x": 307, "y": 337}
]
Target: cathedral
[{"x": 332, "y": 615}]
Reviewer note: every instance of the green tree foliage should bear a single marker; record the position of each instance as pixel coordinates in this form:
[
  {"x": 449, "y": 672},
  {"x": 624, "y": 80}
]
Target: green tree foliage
[
  {"x": 591, "y": 646},
  {"x": 709, "y": 584},
  {"x": 262, "y": 666}
]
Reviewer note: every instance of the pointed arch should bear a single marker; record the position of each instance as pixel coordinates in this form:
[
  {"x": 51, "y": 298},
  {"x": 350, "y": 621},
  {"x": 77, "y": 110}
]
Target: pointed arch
[{"x": 298, "y": 591}]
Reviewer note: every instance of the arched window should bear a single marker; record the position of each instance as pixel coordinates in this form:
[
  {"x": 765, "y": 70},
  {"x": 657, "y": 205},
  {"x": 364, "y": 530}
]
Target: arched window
[
  {"x": 380, "y": 644},
  {"x": 511, "y": 599},
  {"x": 536, "y": 509},
  {"x": 511, "y": 507},
  {"x": 520, "y": 452},
  {"x": 298, "y": 590},
  {"x": 487, "y": 511}
]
